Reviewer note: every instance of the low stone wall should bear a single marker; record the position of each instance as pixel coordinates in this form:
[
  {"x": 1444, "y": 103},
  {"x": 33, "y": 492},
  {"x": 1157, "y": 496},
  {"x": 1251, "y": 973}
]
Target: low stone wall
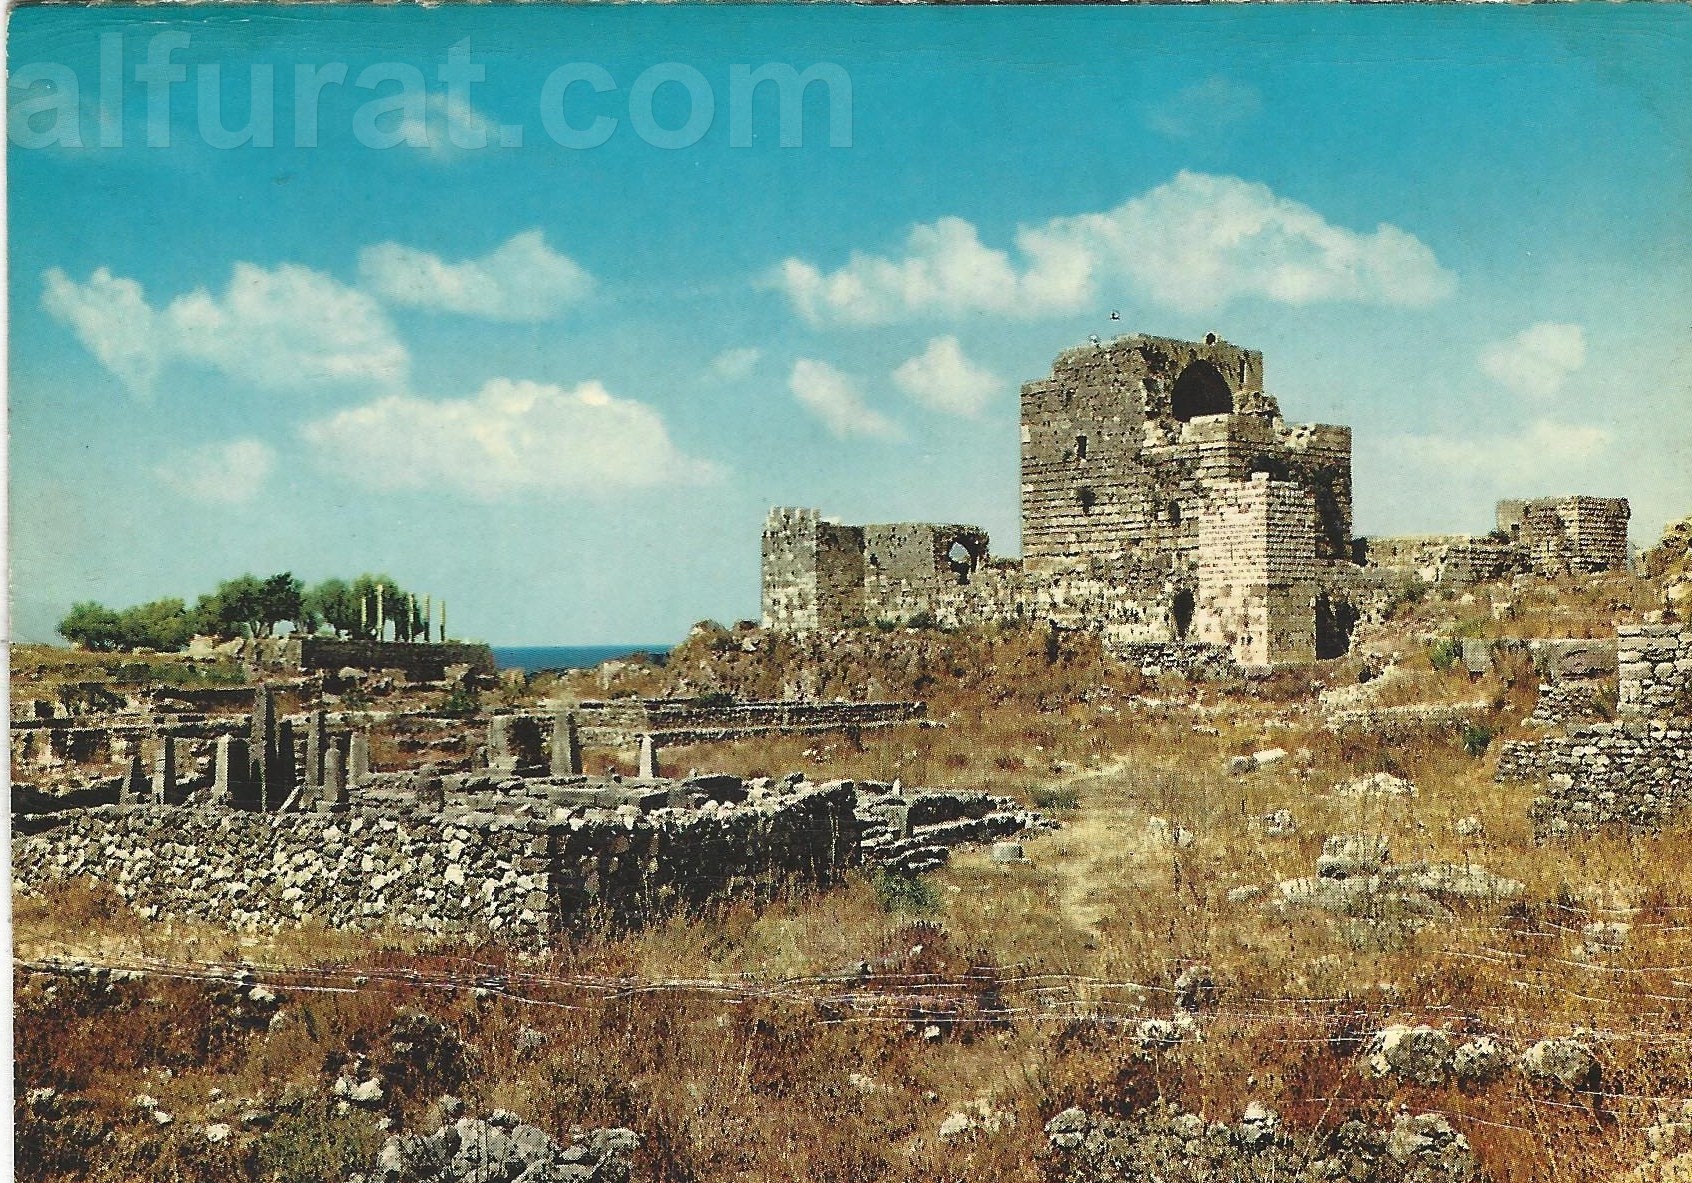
[
  {"x": 1635, "y": 772},
  {"x": 1560, "y": 658},
  {"x": 1192, "y": 659},
  {"x": 519, "y": 878},
  {"x": 1404, "y": 722},
  {"x": 1564, "y": 704},
  {"x": 1635, "y": 775},
  {"x": 684, "y": 721},
  {"x": 422, "y": 661}
]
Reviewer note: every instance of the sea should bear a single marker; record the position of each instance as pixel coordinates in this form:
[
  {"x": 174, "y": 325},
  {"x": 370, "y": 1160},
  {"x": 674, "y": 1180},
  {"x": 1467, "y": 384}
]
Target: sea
[{"x": 534, "y": 658}]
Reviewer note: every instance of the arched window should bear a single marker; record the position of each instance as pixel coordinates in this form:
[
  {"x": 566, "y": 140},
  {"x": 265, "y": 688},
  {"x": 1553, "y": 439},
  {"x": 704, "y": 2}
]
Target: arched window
[{"x": 1200, "y": 390}]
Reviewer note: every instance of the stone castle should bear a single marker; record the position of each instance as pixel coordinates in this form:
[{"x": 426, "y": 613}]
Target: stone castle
[{"x": 1166, "y": 501}]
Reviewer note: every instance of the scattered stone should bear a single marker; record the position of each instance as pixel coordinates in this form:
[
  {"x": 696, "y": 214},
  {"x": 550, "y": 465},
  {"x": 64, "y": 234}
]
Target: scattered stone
[
  {"x": 1258, "y": 1124},
  {"x": 1604, "y": 936},
  {"x": 1162, "y": 832},
  {"x": 1379, "y": 784},
  {"x": 1279, "y": 824},
  {"x": 1244, "y": 894},
  {"x": 1479, "y": 1061},
  {"x": 218, "y": 1132},
  {"x": 1196, "y": 990},
  {"x": 1421, "y": 1054},
  {"x": 1566, "y": 1061},
  {"x": 1346, "y": 855},
  {"x": 955, "y": 1126},
  {"x": 1469, "y": 827},
  {"x": 1008, "y": 852}
]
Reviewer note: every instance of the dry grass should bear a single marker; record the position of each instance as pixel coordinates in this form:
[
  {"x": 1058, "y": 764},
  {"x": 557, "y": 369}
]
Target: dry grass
[{"x": 748, "y": 1044}]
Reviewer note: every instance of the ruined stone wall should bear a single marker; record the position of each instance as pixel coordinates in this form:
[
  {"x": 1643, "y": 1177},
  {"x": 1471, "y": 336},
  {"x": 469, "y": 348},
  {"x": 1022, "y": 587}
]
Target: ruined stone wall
[
  {"x": 1123, "y": 442},
  {"x": 1654, "y": 671},
  {"x": 1454, "y": 558},
  {"x": 422, "y": 661},
  {"x": 1084, "y": 491},
  {"x": 1636, "y": 771},
  {"x": 1257, "y": 572},
  {"x": 1568, "y": 534},
  {"x": 917, "y": 568},
  {"x": 813, "y": 571},
  {"x": 672, "y": 721},
  {"x": 520, "y": 878},
  {"x": 1138, "y": 460},
  {"x": 1564, "y": 704}
]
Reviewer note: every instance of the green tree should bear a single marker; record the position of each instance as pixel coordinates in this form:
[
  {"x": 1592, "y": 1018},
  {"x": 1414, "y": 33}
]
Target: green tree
[
  {"x": 334, "y": 602},
  {"x": 165, "y": 625},
  {"x": 91, "y": 626},
  {"x": 250, "y": 604}
]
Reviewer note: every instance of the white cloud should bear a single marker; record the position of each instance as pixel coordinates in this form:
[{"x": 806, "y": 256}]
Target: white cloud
[
  {"x": 446, "y": 125},
  {"x": 522, "y": 280},
  {"x": 282, "y": 328},
  {"x": 732, "y": 365},
  {"x": 228, "y": 474},
  {"x": 1520, "y": 462},
  {"x": 1204, "y": 108},
  {"x": 832, "y": 398},
  {"x": 510, "y": 437},
  {"x": 1194, "y": 243},
  {"x": 110, "y": 316},
  {"x": 941, "y": 377},
  {"x": 1537, "y": 360}
]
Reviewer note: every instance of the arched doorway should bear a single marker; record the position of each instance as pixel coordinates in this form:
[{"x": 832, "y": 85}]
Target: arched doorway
[
  {"x": 1200, "y": 390},
  {"x": 1181, "y": 612}
]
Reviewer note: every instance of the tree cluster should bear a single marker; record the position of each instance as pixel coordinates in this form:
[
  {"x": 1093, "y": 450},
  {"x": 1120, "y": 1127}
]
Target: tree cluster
[{"x": 248, "y": 606}]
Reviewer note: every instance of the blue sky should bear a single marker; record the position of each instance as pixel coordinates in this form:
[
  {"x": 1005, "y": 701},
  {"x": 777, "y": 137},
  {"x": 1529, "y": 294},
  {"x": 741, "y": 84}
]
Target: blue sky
[{"x": 560, "y": 386}]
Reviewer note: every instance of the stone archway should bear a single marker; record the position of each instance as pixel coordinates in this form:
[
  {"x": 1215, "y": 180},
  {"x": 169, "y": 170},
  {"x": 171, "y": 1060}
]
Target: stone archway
[{"x": 1200, "y": 390}]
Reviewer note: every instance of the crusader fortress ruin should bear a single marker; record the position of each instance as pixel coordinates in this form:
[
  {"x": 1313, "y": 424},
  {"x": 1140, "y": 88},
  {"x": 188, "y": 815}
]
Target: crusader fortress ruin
[
  {"x": 1204, "y": 841},
  {"x": 1165, "y": 500}
]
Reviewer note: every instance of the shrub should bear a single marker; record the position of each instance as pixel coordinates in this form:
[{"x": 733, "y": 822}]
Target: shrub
[
  {"x": 1444, "y": 653},
  {"x": 1056, "y": 797},
  {"x": 1476, "y": 738},
  {"x": 902, "y": 894},
  {"x": 461, "y": 702},
  {"x": 714, "y": 699}
]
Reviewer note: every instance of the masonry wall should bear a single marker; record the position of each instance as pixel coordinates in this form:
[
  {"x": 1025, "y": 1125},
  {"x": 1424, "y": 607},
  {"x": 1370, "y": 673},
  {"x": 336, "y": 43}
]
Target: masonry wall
[
  {"x": 1257, "y": 572},
  {"x": 813, "y": 571},
  {"x": 1568, "y": 534},
  {"x": 667, "y": 721},
  {"x": 1635, "y": 771},
  {"x": 422, "y": 661},
  {"x": 523, "y": 879},
  {"x": 1654, "y": 671},
  {"x": 1122, "y": 442},
  {"x": 1084, "y": 493}
]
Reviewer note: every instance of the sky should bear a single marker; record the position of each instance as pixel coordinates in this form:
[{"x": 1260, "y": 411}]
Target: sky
[{"x": 534, "y": 310}]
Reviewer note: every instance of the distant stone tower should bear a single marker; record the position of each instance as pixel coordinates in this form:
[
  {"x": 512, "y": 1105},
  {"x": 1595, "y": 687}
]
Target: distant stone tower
[
  {"x": 1568, "y": 535},
  {"x": 813, "y": 572}
]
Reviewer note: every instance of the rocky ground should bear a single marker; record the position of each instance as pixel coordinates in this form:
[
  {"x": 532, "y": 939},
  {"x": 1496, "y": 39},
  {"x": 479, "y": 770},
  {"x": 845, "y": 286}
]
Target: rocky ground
[{"x": 1290, "y": 928}]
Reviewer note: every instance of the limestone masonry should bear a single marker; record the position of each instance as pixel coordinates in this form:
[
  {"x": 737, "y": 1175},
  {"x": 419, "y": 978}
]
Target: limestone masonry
[
  {"x": 1633, "y": 771},
  {"x": 1165, "y": 499}
]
